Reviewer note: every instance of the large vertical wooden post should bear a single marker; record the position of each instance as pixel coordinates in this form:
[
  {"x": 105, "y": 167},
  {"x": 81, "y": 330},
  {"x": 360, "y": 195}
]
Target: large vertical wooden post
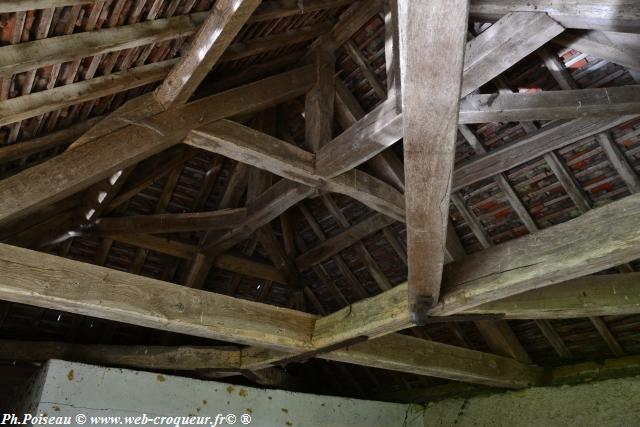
[{"x": 432, "y": 42}]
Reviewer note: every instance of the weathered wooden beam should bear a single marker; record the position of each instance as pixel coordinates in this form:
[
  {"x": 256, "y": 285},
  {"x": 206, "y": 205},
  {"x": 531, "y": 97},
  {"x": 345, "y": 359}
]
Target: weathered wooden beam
[
  {"x": 413, "y": 355},
  {"x": 550, "y": 105},
  {"x": 24, "y": 5},
  {"x": 600, "y": 239},
  {"x": 385, "y": 165},
  {"x": 27, "y": 56},
  {"x": 341, "y": 241},
  {"x": 86, "y": 289},
  {"x": 513, "y": 37},
  {"x": 501, "y": 339},
  {"x": 319, "y": 101},
  {"x": 607, "y": 336},
  {"x": 619, "y": 48},
  {"x": 369, "y": 74},
  {"x": 510, "y": 34},
  {"x": 431, "y": 40},
  {"x": 79, "y": 168},
  {"x": 214, "y": 36},
  {"x": 550, "y": 137},
  {"x": 265, "y": 208},
  {"x": 619, "y": 162},
  {"x": 109, "y": 294},
  {"x": 144, "y": 357},
  {"x": 609, "y": 15},
  {"x": 172, "y": 223},
  {"x": 263, "y": 151},
  {"x": 368, "y": 137},
  {"x": 46, "y": 142},
  {"x": 23, "y": 107},
  {"x": 349, "y": 23},
  {"x": 598, "y": 295}
]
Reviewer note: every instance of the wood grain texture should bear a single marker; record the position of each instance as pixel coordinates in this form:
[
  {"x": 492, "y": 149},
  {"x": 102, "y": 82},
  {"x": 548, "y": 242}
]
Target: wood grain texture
[
  {"x": 551, "y": 137},
  {"x": 598, "y": 295},
  {"x": 619, "y": 162},
  {"x": 23, "y": 107},
  {"x": 619, "y": 48},
  {"x": 214, "y": 36},
  {"x": 77, "y": 169},
  {"x": 368, "y": 137},
  {"x": 610, "y": 15},
  {"x": 143, "y": 357},
  {"x": 432, "y": 43},
  {"x": 57, "y": 283},
  {"x": 408, "y": 354},
  {"x": 281, "y": 158},
  {"x": 600, "y": 239},
  {"x": 55, "y": 50},
  {"x": 550, "y": 105},
  {"x": 46, "y": 142},
  {"x": 509, "y": 40},
  {"x": 319, "y": 102}
]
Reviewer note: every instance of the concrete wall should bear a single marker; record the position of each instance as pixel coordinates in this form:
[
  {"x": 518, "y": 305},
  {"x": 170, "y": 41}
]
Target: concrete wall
[
  {"x": 600, "y": 404},
  {"x": 69, "y": 389}
]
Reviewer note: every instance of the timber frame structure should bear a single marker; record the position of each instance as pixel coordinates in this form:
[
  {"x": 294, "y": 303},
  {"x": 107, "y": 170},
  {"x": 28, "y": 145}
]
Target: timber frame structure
[{"x": 450, "y": 201}]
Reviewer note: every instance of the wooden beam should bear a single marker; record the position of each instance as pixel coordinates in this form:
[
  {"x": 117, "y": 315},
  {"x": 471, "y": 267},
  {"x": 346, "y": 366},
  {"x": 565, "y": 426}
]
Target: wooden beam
[
  {"x": 557, "y": 69},
  {"x": 501, "y": 339},
  {"x": 46, "y": 142},
  {"x": 214, "y": 36},
  {"x": 23, "y": 107},
  {"x": 27, "y": 56},
  {"x": 386, "y": 165},
  {"x": 90, "y": 290},
  {"x": 263, "y": 151},
  {"x": 24, "y": 5},
  {"x": 339, "y": 242},
  {"x": 319, "y": 102},
  {"x": 431, "y": 40},
  {"x": 109, "y": 294},
  {"x": 619, "y": 48},
  {"x": 551, "y": 335},
  {"x": 172, "y": 223},
  {"x": 607, "y": 336},
  {"x": 227, "y": 262},
  {"x": 143, "y": 357},
  {"x": 413, "y": 355},
  {"x": 265, "y": 208},
  {"x": 619, "y": 162},
  {"x": 513, "y": 37},
  {"x": 74, "y": 170},
  {"x": 609, "y": 15},
  {"x": 369, "y": 74},
  {"x": 550, "y": 105},
  {"x": 600, "y": 239},
  {"x": 369, "y": 136},
  {"x": 479, "y": 68},
  {"x": 349, "y": 23},
  {"x": 549, "y": 138},
  {"x": 598, "y": 295}
]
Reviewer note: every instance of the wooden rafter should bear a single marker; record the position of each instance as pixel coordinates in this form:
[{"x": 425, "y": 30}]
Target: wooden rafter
[
  {"x": 31, "y": 189},
  {"x": 214, "y": 36}
]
